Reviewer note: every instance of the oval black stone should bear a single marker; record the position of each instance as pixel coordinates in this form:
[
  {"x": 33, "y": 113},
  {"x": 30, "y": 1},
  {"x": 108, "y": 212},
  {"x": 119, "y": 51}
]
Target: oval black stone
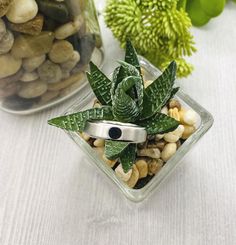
[{"x": 115, "y": 133}]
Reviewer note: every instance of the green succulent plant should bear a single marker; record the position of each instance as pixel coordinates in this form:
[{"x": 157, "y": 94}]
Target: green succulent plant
[
  {"x": 158, "y": 29},
  {"x": 124, "y": 99}
]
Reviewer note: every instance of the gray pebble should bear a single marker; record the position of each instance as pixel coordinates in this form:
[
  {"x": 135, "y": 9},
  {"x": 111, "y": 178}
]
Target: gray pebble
[
  {"x": 50, "y": 72},
  {"x": 32, "y": 89},
  {"x": 30, "y": 64},
  {"x": 71, "y": 63},
  {"x": 29, "y": 77},
  {"x": 2, "y": 28},
  {"x": 6, "y": 42}
]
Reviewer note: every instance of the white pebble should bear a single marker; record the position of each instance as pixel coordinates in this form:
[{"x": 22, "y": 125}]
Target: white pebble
[
  {"x": 190, "y": 117},
  {"x": 179, "y": 131},
  {"x": 175, "y": 135},
  {"x": 164, "y": 110},
  {"x": 168, "y": 151},
  {"x": 22, "y": 11},
  {"x": 99, "y": 142},
  {"x": 85, "y": 136},
  {"x": 121, "y": 174},
  {"x": 171, "y": 138}
]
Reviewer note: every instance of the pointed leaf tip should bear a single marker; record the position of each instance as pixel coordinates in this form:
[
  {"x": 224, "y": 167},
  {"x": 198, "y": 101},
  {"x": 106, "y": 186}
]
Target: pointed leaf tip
[{"x": 100, "y": 84}]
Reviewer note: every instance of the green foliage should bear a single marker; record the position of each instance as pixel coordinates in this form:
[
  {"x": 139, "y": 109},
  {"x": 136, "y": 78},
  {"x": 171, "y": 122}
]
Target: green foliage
[
  {"x": 158, "y": 93},
  {"x": 196, "y": 13},
  {"x": 77, "y": 121},
  {"x": 159, "y": 124},
  {"x": 128, "y": 156},
  {"x": 213, "y": 8},
  {"x": 124, "y": 99},
  {"x": 100, "y": 84},
  {"x": 114, "y": 149},
  {"x": 158, "y": 29},
  {"x": 201, "y": 11}
]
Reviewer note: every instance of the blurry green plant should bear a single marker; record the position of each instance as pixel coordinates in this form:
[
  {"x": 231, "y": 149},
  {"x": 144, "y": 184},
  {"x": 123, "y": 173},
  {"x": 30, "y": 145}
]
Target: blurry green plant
[
  {"x": 202, "y": 11},
  {"x": 158, "y": 29}
]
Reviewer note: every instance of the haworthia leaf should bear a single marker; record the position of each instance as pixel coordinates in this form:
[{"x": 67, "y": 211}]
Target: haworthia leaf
[
  {"x": 129, "y": 69},
  {"x": 113, "y": 149},
  {"x": 125, "y": 109},
  {"x": 159, "y": 124},
  {"x": 128, "y": 157},
  {"x": 122, "y": 72},
  {"x": 138, "y": 88},
  {"x": 100, "y": 84},
  {"x": 116, "y": 79},
  {"x": 77, "y": 121},
  {"x": 173, "y": 92},
  {"x": 157, "y": 94},
  {"x": 131, "y": 56}
]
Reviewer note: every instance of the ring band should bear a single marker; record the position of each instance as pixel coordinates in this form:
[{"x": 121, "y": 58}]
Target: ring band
[{"x": 112, "y": 130}]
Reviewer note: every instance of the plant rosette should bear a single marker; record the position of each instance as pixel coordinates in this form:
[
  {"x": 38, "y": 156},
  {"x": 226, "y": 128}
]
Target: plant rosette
[{"x": 130, "y": 97}]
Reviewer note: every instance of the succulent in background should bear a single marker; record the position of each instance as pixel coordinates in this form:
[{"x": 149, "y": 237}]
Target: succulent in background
[
  {"x": 202, "y": 11},
  {"x": 124, "y": 99},
  {"x": 159, "y": 30}
]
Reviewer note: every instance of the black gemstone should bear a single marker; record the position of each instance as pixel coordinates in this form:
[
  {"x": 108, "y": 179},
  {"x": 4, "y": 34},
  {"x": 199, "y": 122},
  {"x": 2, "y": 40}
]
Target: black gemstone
[{"x": 115, "y": 133}]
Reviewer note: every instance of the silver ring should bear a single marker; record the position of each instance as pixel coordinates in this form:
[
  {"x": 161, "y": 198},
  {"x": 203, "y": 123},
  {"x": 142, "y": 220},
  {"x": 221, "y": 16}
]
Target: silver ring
[{"x": 112, "y": 130}]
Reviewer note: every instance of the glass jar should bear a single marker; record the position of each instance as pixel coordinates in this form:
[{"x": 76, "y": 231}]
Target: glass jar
[
  {"x": 204, "y": 123},
  {"x": 45, "y": 48}
]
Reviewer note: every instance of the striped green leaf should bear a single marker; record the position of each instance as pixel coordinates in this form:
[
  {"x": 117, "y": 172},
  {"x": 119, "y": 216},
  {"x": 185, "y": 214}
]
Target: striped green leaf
[
  {"x": 100, "y": 84},
  {"x": 128, "y": 156},
  {"x": 131, "y": 56},
  {"x": 159, "y": 124},
  {"x": 158, "y": 93},
  {"x": 125, "y": 108},
  {"x": 113, "y": 149},
  {"x": 77, "y": 121}
]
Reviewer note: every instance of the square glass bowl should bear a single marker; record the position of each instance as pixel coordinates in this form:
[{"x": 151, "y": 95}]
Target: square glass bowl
[{"x": 205, "y": 121}]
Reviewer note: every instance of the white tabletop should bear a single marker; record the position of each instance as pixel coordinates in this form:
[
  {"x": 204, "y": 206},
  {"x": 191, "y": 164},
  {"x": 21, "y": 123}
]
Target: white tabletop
[{"x": 49, "y": 195}]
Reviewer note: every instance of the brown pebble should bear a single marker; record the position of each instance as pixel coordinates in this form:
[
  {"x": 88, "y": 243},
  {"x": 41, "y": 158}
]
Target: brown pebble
[
  {"x": 174, "y": 103},
  {"x": 142, "y": 167},
  {"x": 61, "y": 51},
  {"x": 188, "y": 131},
  {"x": 134, "y": 177},
  {"x": 178, "y": 143},
  {"x": 4, "y": 6},
  {"x": 161, "y": 144},
  {"x": 32, "y": 27},
  {"x": 154, "y": 166}
]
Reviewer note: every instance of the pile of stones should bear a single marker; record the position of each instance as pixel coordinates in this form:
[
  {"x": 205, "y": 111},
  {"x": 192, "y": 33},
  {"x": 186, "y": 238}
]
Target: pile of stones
[
  {"x": 155, "y": 152},
  {"x": 45, "y": 45}
]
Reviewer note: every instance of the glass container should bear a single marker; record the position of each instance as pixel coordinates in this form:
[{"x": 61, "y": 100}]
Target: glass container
[
  {"x": 45, "y": 48},
  {"x": 205, "y": 121}
]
